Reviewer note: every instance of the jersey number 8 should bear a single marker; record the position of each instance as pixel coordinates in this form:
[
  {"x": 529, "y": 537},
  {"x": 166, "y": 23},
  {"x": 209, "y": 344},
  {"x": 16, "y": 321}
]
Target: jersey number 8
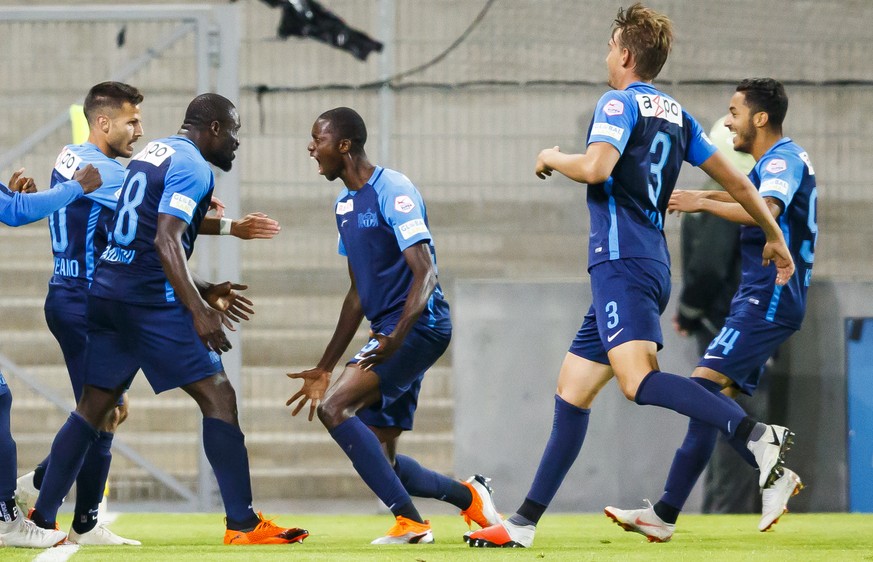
[{"x": 126, "y": 218}]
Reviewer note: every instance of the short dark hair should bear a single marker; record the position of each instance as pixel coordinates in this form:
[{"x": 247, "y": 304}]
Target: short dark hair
[
  {"x": 206, "y": 108},
  {"x": 648, "y": 35},
  {"x": 110, "y": 94},
  {"x": 767, "y": 95},
  {"x": 347, "y": 125}
]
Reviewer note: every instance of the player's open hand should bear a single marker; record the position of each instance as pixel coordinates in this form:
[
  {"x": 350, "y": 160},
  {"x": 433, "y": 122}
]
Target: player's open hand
[
  {"x": 386, "y": 347},
  {"x": 208, "y": 323},
  {"x": 224, "y": 298},
  {"x": 215, "y": 204},
  {"x": 315, "y": 383},
  {"x": 685, "y": 201},
  {"x": 777, "y": 252},
  {"x": 255, "y": 225},
  {"x": 543, "y": 170},
  {"x": 19, "y": 183},
  {"x": 89, "y": 178}
]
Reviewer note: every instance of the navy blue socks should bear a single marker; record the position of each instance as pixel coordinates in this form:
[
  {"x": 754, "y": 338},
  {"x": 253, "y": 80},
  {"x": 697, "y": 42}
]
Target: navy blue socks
[
  {"x": 68, "y": 452},
  {"x": 686, "y": 397},
  {"x": 363, "y": 449},
  {"x": 91, "y": 482},
  {"x": 425, "y": 483},
  {"x": 8, "y": 457},
  {"x": 226, "y": 451},
  {"x": 569, "y": 426}
]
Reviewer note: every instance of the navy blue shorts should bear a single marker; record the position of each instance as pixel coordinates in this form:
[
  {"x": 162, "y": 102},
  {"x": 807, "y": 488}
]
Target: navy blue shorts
[
  {"x": 65, "y": 314},
  {"x": 628, "y": 297},
  {"x": 160, "y": 339},
  {"x": 400, "y": 376},
  {"x": 741, "y": 349}
]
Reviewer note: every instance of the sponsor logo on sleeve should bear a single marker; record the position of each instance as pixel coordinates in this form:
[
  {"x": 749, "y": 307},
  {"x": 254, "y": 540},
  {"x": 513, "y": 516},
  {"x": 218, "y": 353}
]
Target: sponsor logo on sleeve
[
  {"x": 653, "y": 105},
  {"x": 805, "y": 157},
  {"x": 607, "y": 130},
  {"x": 613, "y": 108},
  {"x": 155, "y": 153},
  {"x": 413, "y": 227},
  {"x": 403, "y": 204},
  {"x": 183, "y": 203},
  {"x": 774, "y": 184},
  {"x": 67, "y": 163},
  {"x": 776, "y": 165},
  {"x": 344, "y": 207}
]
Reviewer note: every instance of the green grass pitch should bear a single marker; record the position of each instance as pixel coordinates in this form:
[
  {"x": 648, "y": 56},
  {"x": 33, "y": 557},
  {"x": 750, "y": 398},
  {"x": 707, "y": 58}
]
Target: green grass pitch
[{"x": 709, "y": 538}]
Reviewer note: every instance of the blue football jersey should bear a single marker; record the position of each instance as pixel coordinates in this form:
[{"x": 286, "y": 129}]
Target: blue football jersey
[
  {"x": 169, "y": 176},
  {"x": 78, "y": 231},
  {"x": 784, "y": 173},
  {"x": 654, "y": 135},
  {"x": 376, "y": 223}
]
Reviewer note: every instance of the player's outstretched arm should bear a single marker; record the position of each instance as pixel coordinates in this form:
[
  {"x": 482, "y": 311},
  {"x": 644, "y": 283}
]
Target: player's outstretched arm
[
  {"x": 316, "y": 381},
  {"x": 741, "y": 189},
  {"x": 723, "y": 206},
  {"x": 207, "y": 321},
  {"x": 424, "y": 281},
  {"x": 594, "y": 166},
  {"x": 250, "y": 227},
  {"x": 20, "y": 208}
]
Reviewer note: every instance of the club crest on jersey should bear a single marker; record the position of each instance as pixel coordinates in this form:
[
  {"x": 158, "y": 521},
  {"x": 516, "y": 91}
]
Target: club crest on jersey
[
  {"x": 613, "y": 108},
  {"x": 776, "y": 165},
  {"x": 368, "y": 219},
  {"x": 344, "y": 207},
  {"x": 403, "y": 204},
  {"x": 660, "y": 107}
]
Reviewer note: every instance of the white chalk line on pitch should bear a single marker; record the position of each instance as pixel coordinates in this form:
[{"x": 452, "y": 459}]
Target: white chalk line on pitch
[{"x": 65, "y": 552}]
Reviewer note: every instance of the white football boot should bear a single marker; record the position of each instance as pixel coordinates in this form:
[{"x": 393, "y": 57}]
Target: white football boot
[
  {"x": 769, "y": 451},
  {"x": 774, "y": 500},
  {"x": 100, "y": 536},
  {"x": 503, "y": 535},
  {"x": 24, "y": 532},
  {"x": 643, "y": 521}
]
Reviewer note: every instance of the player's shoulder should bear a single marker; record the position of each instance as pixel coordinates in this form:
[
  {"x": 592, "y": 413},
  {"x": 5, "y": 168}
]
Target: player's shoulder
[
  {"x": 390, "y": 179},
  {"x": 175, "y": 151},
  {"x": 786, "y": 155},
  {"x": 397, "y": 192},
  {"x": 614, "y": 103}
]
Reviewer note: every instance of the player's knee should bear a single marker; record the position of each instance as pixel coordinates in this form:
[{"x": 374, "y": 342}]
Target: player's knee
[
  {"x": 629, "y": 388},
  {"x": 326, "y": 414},
  {"x": 331, "y": 413}
]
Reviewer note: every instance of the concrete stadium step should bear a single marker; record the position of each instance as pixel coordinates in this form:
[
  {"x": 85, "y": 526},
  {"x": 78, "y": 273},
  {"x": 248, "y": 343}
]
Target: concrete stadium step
[
  {"x": 173, "y": 450},
  {"x": 22, "y": 313},
  {"x": 261, "y": 382},
  {"x": 132, "y": 484},
  {"x": 487, "y": 212},
  {"x": 26, "y": 242}
]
